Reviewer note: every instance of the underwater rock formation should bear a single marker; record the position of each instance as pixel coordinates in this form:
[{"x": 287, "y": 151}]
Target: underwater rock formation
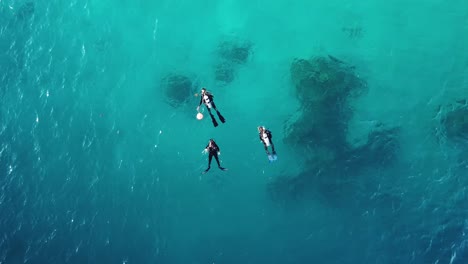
[
  {"x": 234, "y": 51},
  {"x": 318, "y": 131},
  {"x": 330, "y": 170},
  {"x": 324, "y": 80},
  {"x": 355, "y": 32},
  {"x": 231, "y": 54},
  {"x": 323, "y": 86},
  {"x": 177, "y": 89},
  {"x": 379, "y": 150},
  {"x": 455, "y": 121}
]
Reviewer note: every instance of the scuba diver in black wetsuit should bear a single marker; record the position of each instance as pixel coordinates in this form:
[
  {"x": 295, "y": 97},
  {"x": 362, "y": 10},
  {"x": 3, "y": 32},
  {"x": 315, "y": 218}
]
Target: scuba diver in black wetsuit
[
  {"x": 265, "y": 137},
  {"x": 213, "y": 150},
  {"x": 207, "y": 99}
]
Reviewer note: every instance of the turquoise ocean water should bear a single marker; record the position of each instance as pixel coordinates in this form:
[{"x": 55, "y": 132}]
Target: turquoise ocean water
[{"x": 97, "y": 167}]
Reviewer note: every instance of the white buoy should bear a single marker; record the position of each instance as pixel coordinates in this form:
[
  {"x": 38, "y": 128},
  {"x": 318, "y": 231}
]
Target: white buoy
[{"x": 199, "y": 116}]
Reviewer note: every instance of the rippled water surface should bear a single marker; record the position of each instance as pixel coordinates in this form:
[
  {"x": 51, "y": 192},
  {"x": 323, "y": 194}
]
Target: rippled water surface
[{"x": 100, "y": 151}]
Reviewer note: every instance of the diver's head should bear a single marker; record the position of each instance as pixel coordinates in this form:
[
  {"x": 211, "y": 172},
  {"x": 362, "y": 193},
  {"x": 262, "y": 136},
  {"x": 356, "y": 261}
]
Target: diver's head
[
  {"x": 260, "y": 128},
  {"x": 203, "y": 90}
]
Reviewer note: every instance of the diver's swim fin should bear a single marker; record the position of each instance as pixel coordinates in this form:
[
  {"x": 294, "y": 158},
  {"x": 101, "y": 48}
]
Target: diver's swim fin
[
  {"x": 215, "y": 123},
  {"x": 221, "y": 118},
  {"x": 272, "y": 158}
]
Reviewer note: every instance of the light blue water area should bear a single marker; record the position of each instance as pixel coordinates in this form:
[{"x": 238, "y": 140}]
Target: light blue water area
[{"x": 97, "y": 167}]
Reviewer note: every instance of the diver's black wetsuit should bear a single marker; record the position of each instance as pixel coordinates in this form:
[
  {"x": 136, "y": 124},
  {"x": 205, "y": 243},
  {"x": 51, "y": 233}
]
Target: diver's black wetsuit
[
  {"x": 209, "y": 101},
  {"x": 213, "y": 151},
  {"x": 269, "y": 136}
]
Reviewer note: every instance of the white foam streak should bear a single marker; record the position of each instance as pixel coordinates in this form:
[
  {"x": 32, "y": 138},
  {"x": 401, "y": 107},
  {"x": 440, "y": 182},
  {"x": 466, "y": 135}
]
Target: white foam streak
[{"x": 155, "y": 29}]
